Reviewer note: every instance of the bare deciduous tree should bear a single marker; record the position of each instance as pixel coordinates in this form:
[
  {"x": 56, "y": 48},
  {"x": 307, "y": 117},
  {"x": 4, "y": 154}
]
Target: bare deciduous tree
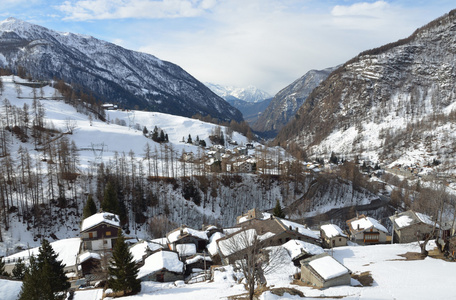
[{"x": 246, "y": 251}]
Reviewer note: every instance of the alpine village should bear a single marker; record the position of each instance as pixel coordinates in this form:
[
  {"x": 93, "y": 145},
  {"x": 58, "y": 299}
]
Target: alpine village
[{"x": 122, "y": 176}]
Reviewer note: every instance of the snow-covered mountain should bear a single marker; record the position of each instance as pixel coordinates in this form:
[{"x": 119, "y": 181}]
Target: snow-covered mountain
[
  {"x": 112, "y": 73},
  {"x": 286, "y": 103},
  {"x": 248, "y": 94},
  {"x": 395, "y": 103}
]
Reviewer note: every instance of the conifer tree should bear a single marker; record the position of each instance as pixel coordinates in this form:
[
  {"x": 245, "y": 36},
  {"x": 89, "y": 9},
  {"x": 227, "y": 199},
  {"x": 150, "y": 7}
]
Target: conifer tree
[
  {"x": 32, "y": 285},
  {"x": 19, "y": 270},
  {"x": 123, "y": 270},
  {"x": 2, "y": 268},
  {"x": 110, "y": 201},
  {"x": 51, "y": 268},
  {"x": 90, "y": 208},
  {"x": 278, "y": 212},
  {"x": 44, "y": 278}
]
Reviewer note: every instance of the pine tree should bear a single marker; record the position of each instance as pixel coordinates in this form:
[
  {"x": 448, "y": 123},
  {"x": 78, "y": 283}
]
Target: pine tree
[
  {"x": 32, "y": 284},
  {"x": 278, "y": 212},
  {"x": 51, "y": 267},
  {"x": 90, "y": 208},
  {"x": 44, "y": 279},
  {"x": 19, "y": 270},
  {"x": 123, "y": 270},
  {"x": 110, "y": 201},
  {"x": 2, "y": 268}
]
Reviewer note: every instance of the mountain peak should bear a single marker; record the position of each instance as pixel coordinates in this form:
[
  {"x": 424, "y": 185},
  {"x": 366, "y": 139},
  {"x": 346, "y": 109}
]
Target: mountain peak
[{"x": 248, "y": 94}]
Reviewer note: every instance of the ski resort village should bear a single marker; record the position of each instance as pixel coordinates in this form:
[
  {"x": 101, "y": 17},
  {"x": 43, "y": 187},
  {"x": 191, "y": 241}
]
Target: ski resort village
[{"x": 124, "y": 177}]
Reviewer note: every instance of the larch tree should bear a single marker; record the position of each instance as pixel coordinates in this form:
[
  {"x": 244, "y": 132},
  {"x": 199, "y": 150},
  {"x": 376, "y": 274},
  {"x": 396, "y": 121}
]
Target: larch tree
[{"x": 123, "y": 271}]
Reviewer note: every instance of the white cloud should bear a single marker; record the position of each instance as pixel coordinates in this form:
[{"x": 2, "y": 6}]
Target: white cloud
[
  {"x": 143, "y": 9},
  {"x": 270, "y": 44},
  {"x": 361, "y": 9}
]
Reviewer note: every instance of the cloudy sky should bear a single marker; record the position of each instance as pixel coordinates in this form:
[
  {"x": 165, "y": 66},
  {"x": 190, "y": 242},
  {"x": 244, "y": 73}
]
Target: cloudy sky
[{"x": 265, "y": 43}]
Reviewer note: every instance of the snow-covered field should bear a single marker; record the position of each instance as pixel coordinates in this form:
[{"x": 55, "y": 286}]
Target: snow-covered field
[{"x": 394, "y": 278}]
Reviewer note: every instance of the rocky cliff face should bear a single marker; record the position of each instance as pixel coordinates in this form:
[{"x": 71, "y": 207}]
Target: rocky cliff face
[
  {"x": 394, "y": 103},
  {"x": 112, "y": 73},
  {"x": 286, "y": 103}
]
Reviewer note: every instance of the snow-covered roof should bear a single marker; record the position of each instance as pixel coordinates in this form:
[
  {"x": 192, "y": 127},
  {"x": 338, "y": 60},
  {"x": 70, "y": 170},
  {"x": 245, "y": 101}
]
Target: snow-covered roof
[
  {"x": 297, "y": 247},
  {"x": 424, "y": 218},
  {"x": 162, "y": 241},
  {"x": 88, "y": 255},
  {"x": 139, "y": 249},
  {"x": 260, "y": 216},
  {"x": 176, "y": 234},
  {"x": 212, "y": 246},
  {"x": 197, "y": 258},
  {"x": 332, "y": 230},
  {"x": 98, "y": 218},
  {"x": 237, "y": 242},
  {"x": 66, "y": 249},
  {"x": 366, "y": 223},
  {"x": 410, "y": 217},
  {"x": 186, "y": 249},
  {"x": 403, "y": 221},
  {"x": 300, "y": 228},
  {"x": 161, "y": 260},
  {"x": 327, "y": 267}
]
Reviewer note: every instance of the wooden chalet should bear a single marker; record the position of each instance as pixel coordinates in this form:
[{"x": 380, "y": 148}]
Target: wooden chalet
[
  {"x": 99, "y": 232},
  {"x": 366, "y": 230}
]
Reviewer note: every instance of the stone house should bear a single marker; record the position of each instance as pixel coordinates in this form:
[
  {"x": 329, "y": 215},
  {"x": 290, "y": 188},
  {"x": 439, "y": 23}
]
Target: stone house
[
  {"x": 332, "y": 236},
  {"x": 269, "y": 230},
  {"x": 162, "y": 266},
  {"x": 410, "y": 226},
  {"x": 366, "y": 230},
  {"x": 184, "y": 236},
  {"x": 323, "y": 271}
]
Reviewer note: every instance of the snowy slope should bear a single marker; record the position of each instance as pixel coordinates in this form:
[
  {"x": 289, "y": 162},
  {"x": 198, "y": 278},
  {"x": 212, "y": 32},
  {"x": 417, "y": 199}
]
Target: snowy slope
[
  {"x": 93, "y": 136},
  {"x": 111, "y": 72}
]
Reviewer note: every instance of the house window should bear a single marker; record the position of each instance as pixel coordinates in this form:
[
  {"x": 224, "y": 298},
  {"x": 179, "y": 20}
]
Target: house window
[
  {"x": 340, "y": 240},
  {"x": 108, "y": 233},
  {"x": 92, "y": 234},
  {"x": 105, "y": 242}
]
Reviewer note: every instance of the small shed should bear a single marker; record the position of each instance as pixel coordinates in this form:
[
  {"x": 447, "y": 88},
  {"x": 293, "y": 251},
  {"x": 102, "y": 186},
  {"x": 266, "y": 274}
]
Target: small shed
[
  {"x": 323, "y": 271},
  {"x": 197, "y": 263},
  {"x": 332, "y": 236},
  {"x": 162, "y": 266},
  {"x": 89, "y": 262},
  {"x": 299, "y": 250}
]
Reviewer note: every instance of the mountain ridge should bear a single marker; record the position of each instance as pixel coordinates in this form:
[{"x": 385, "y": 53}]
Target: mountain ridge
[
  {"x": 248, "y": 94},
  {"x": 114, "y": 74},
  {"x": 389, "y": 103},
  {"x": 287, "y": 101}
]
